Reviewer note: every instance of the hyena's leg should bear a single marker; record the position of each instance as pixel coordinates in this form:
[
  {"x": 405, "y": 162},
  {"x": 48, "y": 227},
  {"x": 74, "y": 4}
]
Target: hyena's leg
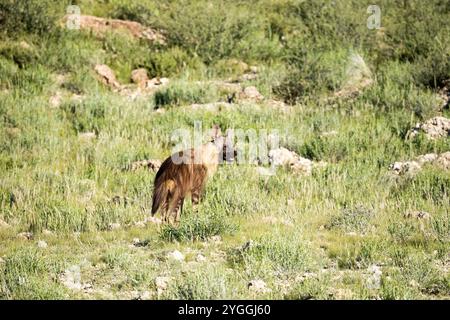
[{"x": 175, "y": 208}]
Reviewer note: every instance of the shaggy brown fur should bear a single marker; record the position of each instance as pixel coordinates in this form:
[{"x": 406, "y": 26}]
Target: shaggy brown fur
[{"x": 177, "y": 179}]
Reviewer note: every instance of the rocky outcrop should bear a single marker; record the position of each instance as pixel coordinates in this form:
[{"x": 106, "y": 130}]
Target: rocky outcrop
[{"x": 101, "y": 26}]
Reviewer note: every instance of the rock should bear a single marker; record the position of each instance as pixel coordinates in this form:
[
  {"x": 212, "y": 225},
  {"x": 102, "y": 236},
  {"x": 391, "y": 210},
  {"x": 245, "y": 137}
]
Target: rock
[
  {"x": 254, "y": 69},
  {"x": 55, "y": 100},
  {"x": 443, "y": 161},
  {"x": 341, "y": 293},
  {"x": 102, "y": 26},
  {"x": 216, "y": 239},
  {"x": 282, "y": 157},
  {"x": 212, "y": 107},
  {"x": 302, "y": 166},
  {"x": 87, "y": 135},
  {"x": 162, "y": 284},
  {"x": 258, "y": 287},
  {"x": 262, "y": 171},
  {"x": 412, "y": 167},
  {"x": 140, "y": 77},
  {"x": 247, "y": 245},
  {"x": 405, "y": 168},
  {"x": 114, "y": 226},
  {"x": 25, "y": 45},
  {"x": 331, "y": 133},
  {"x": 42, "y": 244},
  {"x": 153, "y": 220},
  {"x": 71, "y": 278},
  {"x": 144, "y": 295},
  {"x": 175, "y": 255},
  {"x": 136, "y": 241},
  {"x": 434, "y": 128},
  {"x": 107, "y": 75},
  {"x": 426, "y": 158},
  {"x": 420, "y": 215},
  {"x": 374, "y": 279},
  {"x": 25, "y": 235},
  {"x": 200, "y": 258},
  {"x": 251, "y": 93},
  {"x": 287, "y": 158},
  {"x": 3, "y": 224},
  {"x": 156, "y": 82},
  {"x": 151, "y": 164}
]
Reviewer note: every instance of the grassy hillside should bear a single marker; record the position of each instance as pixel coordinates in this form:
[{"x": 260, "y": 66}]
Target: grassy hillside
[{"x": 72, "y": 216}]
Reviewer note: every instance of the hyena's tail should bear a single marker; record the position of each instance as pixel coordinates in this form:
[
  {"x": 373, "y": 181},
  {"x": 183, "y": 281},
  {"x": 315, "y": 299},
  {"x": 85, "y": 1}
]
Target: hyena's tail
[{"x": 161, "y": 194}]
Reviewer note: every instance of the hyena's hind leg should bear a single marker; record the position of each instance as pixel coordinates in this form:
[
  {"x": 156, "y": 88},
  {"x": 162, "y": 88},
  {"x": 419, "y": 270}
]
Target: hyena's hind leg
[{"x": 195, "y": 198}]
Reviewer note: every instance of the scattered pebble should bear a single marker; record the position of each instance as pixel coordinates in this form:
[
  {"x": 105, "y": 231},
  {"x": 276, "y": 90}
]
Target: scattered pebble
[
  {"x": 3, "y": 224},
  {"x": 161, "y": 284},
  {"x": 114, "y": 226},
  {"x": 200, "y": 258}
]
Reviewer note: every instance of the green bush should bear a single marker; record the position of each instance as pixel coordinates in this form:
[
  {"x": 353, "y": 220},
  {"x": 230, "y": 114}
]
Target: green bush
[{"x": 33, "y": 16}]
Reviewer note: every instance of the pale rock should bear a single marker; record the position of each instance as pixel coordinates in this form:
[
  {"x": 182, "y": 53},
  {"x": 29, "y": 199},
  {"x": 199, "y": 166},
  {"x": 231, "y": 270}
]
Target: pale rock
[
  {"x": 153, "y": 220},
  {"x": 420, "y": 215},
  {"x": 25, "y": 235},
  {"x": 114, "y": 226},
  {"x": 139, "y": 76},
  {"x": 107, "y": 75},
  {"x": 200, "y": 258},
  {"x": 42, "y": 244},
  {"x": 175, "y": 255}
]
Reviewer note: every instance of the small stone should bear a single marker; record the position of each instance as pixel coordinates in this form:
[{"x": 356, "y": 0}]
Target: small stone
[
  {"x": 418, "y": 215},
  {"x": 114, "y": 226},
  {"x": 42, "y": 244},
  {"x": 25, "y": 235},
  {"x": 136, "y": 241},
  {"x": 161, "y": 284},
  {"x": 216, "y": 239},
  {"x": 252, "y": 93},
  {"x": 140, "y": 224},
  {"x": 47, "y": 232},
  {"x": 175, "y": 255},
  {"x": 139, "y": 76},
  {"x": 107, "y": 75},
  {"x": 200, "y": 258},
  {"x": 3, "y": 224},
  {"x": 87, "y": 135}
]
